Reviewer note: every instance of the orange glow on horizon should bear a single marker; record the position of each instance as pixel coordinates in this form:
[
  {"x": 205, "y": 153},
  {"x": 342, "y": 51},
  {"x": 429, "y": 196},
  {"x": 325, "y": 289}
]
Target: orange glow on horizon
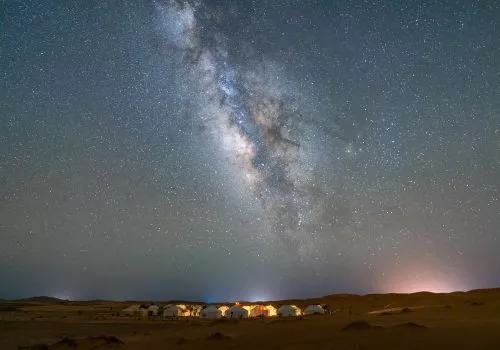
[{"x": 429, "y": 281}]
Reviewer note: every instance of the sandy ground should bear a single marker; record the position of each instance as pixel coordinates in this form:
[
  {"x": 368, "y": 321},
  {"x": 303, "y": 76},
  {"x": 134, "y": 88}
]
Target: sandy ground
[{"x": 391, "y": 321}]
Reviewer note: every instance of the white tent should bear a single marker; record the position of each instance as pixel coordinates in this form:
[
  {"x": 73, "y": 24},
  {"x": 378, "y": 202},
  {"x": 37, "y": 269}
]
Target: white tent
[
  {"x": 256, "y": 311},
  {"x": 288, "y": 311},
  {"x": 153, "y": 310},
  {"x": 138, "y": 310},
  {"x": 236, "y": 312},
  {"x": 314, "y": 309},
  {"x": 132, "y": 310},
  {"x": 271, "y": 310},
  {"x": 176, "y": 311},
  {"x": 210, "y": 312},
  {"x": 261, "y": 310},
  {"x": 143, "y": 311}
]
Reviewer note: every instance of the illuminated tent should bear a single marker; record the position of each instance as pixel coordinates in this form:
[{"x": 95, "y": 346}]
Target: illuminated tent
[
  {"x": 254, "y": 310},
  {"x": 262, "y": 311},
  {"x": 176, "y": 311},
  {"x": 223, "y": 309},
  {"x": 195, "y": 310},
  {"x": 237, "y": 311},
  {"x": 314, "y": 309},
  {"x": 289, "y": 311},
  {"x": 271, "y": 311},
  {"x": 210, "y": 312}
]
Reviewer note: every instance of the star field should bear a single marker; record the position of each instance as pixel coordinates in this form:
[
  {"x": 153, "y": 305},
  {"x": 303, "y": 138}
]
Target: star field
[{"x": 217, "y": 150}]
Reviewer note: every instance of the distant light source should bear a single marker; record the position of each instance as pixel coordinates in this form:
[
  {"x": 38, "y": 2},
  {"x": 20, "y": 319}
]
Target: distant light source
[
  {"x": 258, "y": 297},
  {"x": 426, "y": 286},
  {"x": 62, "y": 296},
  {"x": 429, "y": 281}
]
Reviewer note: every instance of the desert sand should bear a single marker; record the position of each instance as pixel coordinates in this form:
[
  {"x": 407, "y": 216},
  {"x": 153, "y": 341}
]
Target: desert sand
[{"x": 462, "y": 320}]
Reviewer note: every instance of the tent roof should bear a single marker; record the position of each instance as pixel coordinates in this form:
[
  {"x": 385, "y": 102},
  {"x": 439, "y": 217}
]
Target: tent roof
[
  {"x": 211, "y": 307},
  {"x": 234, "y": 307},
  {"x": 133, "y": 307}
]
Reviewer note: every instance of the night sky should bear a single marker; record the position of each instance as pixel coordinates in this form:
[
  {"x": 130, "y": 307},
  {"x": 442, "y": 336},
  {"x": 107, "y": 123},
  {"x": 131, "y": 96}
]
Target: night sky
[{"x": 223, "y": 150}]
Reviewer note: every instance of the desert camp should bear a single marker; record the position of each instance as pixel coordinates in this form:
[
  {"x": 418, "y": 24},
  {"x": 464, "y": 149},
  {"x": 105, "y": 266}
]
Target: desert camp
[{"x": 236, "y": 311}]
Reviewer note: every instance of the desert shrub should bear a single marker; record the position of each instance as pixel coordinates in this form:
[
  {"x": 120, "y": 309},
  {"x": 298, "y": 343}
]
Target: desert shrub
[
  {"x": 477, "y": 303},
  {"x": 406, "y": 310}
]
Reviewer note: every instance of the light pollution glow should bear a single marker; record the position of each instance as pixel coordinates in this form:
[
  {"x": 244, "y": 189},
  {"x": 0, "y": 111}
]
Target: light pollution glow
[{"x": 427, "y": 280}]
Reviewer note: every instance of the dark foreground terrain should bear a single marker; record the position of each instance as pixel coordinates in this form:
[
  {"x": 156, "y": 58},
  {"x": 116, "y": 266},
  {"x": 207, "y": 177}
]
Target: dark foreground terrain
[{"x": 427, "y": 321}]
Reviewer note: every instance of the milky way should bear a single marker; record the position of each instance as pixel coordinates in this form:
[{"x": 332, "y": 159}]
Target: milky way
[{"x": 257, "y": 122}]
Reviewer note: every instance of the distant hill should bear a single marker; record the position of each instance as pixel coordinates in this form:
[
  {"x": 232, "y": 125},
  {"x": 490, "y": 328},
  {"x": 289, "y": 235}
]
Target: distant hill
[
  {"x": 42, "y": 298},
  {"x": 176, "y": 302},
  {"x": 485, "y": 290},
  {"x": 334, "y": 299}
]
